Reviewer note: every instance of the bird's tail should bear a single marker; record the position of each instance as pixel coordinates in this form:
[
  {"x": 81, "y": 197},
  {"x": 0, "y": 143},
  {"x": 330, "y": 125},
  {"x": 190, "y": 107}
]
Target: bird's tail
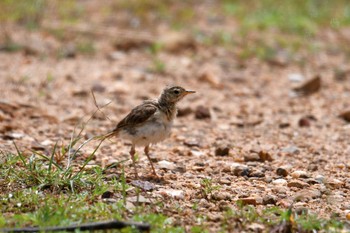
[{"x": 107, "y": 135}]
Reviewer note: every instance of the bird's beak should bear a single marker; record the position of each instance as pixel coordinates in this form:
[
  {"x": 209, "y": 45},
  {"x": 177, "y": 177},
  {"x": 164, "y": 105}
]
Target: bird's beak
[{"x": 190, "y": 92}]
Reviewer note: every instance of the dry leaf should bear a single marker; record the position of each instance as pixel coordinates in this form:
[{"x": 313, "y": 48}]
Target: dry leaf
[{"x": 310, "y": 87}]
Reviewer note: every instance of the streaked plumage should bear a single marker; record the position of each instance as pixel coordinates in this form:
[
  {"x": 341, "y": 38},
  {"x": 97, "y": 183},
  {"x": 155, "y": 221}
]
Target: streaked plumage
[{"x": 151, "y": 121}]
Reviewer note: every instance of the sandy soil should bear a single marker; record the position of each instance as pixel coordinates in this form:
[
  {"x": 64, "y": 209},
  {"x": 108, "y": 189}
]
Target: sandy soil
[{"x": 247, "y": 128}]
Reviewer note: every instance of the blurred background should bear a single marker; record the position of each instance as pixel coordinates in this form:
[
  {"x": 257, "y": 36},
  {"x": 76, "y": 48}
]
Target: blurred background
[
  {"x": 272, "y": 94},
  {"x": 263, "y": 29}
]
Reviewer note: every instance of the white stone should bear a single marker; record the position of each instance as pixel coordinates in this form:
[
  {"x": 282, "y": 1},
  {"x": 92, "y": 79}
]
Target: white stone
[
  {"x": 296, "y": 77},
  {"x": 299, "y": 174},
  {"x": 166, "y": 165},
  {"x": 280, "y": 182},
  {"x": 174, "y": 193}
]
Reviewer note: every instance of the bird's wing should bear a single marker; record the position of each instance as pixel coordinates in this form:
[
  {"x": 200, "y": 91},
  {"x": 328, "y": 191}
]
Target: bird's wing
[{"x": 138, "y": 115}]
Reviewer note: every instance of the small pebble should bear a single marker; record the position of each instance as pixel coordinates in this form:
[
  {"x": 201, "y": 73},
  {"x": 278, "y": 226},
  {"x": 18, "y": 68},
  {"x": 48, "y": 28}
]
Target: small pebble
[
  {"x": 319, "y": 178},
  {"x": 298, "y": 184},
  {"x": 222, "y": 150},
  {"x": 300, "y": 174},
  {"x": 282, "y": 172},
  {"x": 166, "y": 165},
  {"x": 252, "y": 157},
  {"x": 269, "y": 200},
  {"x": 181, "y": 112},
  {"x": 202, "y": 113},
  {"x": 173, "y": 193},
  {"x": 335, "y": 183},
  {"x": 291, "y": 150},
  {"x": 280, "y": 182},
  {"x": 248, "y": 201},
  {"x": 107, "y": 194},
  {"x": 240, "y": 171}
]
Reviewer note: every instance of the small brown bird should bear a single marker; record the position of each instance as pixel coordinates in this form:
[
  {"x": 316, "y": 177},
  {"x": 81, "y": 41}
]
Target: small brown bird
[{"x": 150, "y": 122}]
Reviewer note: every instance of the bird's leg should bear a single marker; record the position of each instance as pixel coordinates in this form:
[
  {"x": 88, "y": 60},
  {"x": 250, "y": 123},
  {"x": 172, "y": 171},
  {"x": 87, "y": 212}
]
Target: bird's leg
[
  {"x": 147, "y": 154},
  {"x": 132, "y": 153}
]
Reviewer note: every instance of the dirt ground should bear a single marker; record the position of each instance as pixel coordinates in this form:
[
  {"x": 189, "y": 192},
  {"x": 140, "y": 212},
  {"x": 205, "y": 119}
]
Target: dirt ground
[{"x": 253, "y": 127}]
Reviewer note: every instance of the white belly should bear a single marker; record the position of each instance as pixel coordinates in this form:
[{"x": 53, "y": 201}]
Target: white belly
[{"x": 154, "y": 130}]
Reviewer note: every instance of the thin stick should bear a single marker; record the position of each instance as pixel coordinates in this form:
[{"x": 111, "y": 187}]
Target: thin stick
[
  {"x": 113, "y": 224},
  {"x": 83, "y": 126},
  {"x": 99, "y": 109}
]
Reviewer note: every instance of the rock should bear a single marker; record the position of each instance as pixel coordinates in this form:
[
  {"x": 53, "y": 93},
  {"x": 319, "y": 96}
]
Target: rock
[
  {"x": 310, "y": 87},
  {"x": 129, "y": 206},
  {"x": 209, "y": 75},
  {"x": 181, "y": 112},
  {"x": 248, "y": 201},
  {"x": 279, "y": 182},
  {"x": 115, "y": 55},
  {"x": 335, "y": 183},
  {"x": 282, "y": 171},
  {"x": 174, "y": 41},
  {"x": 269, "y": 200},
  {"x": 300, "y": 174},
  {"x": 138, "y": 199},
  {"x": 119, "y": 88},
  {"x": 68, "y": 51},
  {"x": 280, "y": 190},
  {"x": 307, "y": 195},
  {"x": 47, "y": 142},
  {"x": 301, "y": 210},
  {"x": 224, "y": 181},
  {"x": 341, "y": 73},
  {"x": 240, "y": 170},
  {"x": 251, "y": 157},
  {"x": 257, "y": 154},
  {"x": 297, "y": 184},
  {"x": 306, "y": 121},
  {"x": 144, "y": 185},
  {"x": 203, "y": 203},
  {"x": 312, "y": 167},
  {"x": 35, "y": 46},
  {"x": 166, "y": 165},
  {"x": 218, "y": 196},
  {"x": 319, "y": 178},
  {"x": 13, "y": 135},
  {"x": 256, "y": 173},
  {"x": 296, "y": 77},
  {"x": 256, "y": 227},
  {"x": 191, "y": 142},
  {"x": 284, "y": 125},
  {"x": 97, "y": 87},
  {"x": 131, "y": 43},
  {"x": 345, "y": 116},
  {"x": 215, "y": 217},
  {"x": 285, "y": 204},
  {"x": 265, "y": 156},
  {"x": 196, "y": 153},
  {"x": 202, "y": 113},
  {"x": 222, "y": 150},
  {"x": 109, "y": 200},
  {"x": 107, "y": 194},
  {"x": 291, "y": 150},
  {"x": 311, "y": 181},
  {"x": 173, "y": 193},
  {"x": 223, "y": 206}
]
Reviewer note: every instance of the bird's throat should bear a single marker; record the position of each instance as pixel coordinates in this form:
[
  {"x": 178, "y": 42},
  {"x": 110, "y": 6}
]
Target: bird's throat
[{"x": 168, "y": 108}]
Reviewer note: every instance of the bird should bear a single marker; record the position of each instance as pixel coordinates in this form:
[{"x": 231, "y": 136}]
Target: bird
[{"x": 150, "y": 122}]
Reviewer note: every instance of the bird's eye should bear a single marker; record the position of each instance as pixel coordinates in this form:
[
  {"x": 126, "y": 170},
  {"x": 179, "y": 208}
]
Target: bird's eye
[{"x": 176, "y": 92}]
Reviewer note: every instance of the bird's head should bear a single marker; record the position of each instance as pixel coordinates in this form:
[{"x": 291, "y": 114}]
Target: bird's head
[{"x": 174, "y": 94}]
